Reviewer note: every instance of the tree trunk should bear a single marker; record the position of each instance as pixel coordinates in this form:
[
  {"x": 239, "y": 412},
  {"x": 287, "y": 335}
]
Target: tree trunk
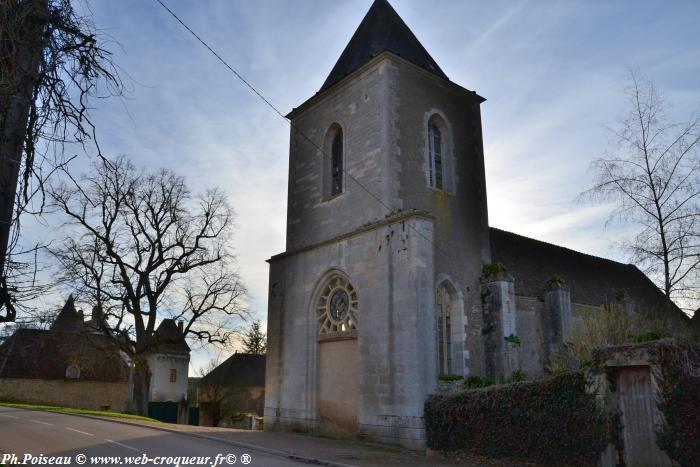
[
  {"x": 14, "y": 108},
  {"x": 141, "y": 382}
]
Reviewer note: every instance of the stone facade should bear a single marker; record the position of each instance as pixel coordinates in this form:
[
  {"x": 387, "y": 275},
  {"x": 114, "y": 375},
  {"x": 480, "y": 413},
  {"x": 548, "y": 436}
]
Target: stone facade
[
  {"x": 164, "y": 368},
  {"x": 383, "y": 286},
  {"x": 393, "y": 260},
  {"x": 389, "y": 263},
  {"x": 169, "y": 366}
]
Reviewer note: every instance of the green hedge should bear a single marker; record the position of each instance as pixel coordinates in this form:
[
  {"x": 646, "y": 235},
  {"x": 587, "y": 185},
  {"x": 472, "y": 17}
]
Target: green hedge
[{"x": 553, "y": 422}]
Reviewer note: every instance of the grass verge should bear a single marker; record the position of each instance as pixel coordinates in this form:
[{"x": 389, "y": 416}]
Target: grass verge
[{"x": 74, "y": 411}]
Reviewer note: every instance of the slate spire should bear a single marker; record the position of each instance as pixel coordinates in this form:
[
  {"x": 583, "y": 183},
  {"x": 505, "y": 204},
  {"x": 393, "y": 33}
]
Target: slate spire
[{"x": 382, "y": 29}]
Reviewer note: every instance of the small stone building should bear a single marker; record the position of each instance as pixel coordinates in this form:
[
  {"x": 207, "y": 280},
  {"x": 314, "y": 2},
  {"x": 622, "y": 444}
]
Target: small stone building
[
  {"x": 72, "y": 364},
  {"x": 234, "y": 387},
  {"x": 391, "y": 272},
  {"x": 76, "y": 363},
  {"x": 169, "y": 363}
]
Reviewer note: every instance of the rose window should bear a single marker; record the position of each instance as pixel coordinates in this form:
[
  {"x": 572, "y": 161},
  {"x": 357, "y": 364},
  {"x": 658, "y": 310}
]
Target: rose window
[{"x": 337, "y": 307}]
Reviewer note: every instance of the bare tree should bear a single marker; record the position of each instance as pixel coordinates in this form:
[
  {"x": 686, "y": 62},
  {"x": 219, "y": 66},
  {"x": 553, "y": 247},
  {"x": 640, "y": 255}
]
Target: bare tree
[
  {"x": 254, "y": 340},
  {"x": 51, "y": 65},
  {"x": 143, "y": 248},
  {"x": 653, "y": 176}
]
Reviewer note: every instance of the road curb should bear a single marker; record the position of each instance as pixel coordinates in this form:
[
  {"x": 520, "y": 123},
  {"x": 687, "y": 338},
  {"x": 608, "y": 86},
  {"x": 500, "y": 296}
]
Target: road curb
[{"x": 274, "y": 452}]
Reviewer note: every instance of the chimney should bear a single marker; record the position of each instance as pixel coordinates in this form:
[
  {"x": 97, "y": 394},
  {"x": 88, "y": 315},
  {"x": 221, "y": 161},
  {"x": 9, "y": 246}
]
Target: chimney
[
  {"x": 180, "y": 326},
  {"x": 97, "y": 314}
]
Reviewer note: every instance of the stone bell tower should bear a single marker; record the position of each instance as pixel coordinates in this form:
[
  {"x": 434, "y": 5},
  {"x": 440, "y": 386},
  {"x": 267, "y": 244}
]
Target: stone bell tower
[{"x": 387, "y": 230}]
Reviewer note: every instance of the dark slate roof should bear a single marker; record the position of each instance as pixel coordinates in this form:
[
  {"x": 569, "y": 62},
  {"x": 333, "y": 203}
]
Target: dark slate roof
[
  {"x": 42, "y": 354},
  {"x": 240, "y": 369},
  {"x": 381, "y": 30},
  {"x": 695, "y": 322},
  {"x": 68, "y": 319},
  {"x": 592, "y": 280},
  {"x": 169, "y": 338}
]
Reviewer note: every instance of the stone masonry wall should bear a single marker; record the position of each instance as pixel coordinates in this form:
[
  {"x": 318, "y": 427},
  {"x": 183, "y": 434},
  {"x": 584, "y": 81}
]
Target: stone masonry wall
[
  {"x": 461, "y": 218},
  {"x": 529, "y": 312},
  {"x": 390, "y": 266},
  {"x": 80, "y": 394},
  {"x": 383, "y": 112},
  {"x": 357, "y": 106},
  {"x": 161, "y": 388}
]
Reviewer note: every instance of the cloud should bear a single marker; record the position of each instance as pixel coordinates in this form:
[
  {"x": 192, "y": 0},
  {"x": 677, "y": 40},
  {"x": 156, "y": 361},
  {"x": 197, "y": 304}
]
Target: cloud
[{"x": 552, "y": 72}]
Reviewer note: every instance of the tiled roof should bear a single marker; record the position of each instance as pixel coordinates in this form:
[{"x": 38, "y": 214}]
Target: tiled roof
[
  {"x": 382, "y": 29},
  {"x": 239, "y": 369},
  {"x": 592, "y": 280},
  {"x": 42, "y": 354},
  {"x": 169, "y": 338}
]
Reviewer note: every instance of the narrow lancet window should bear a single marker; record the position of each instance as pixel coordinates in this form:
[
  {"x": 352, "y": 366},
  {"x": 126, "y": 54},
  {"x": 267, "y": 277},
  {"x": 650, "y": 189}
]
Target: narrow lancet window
[
  {"x": 444, "y": 330},
  {"x": 435, "y": 149},
  {"x": 337, "y": 163}
]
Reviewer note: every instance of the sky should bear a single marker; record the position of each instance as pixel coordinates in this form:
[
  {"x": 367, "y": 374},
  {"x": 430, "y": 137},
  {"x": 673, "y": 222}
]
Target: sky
[{"x": 553, "y": 74}]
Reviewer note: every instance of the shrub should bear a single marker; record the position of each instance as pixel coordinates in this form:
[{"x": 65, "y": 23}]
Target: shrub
[
  {"x": 513, "y": 340},
  {"x": 478, "y": 382},
  {"x": 603, "y": 327},
  {"x": 491, "y": 270},
  {"x": 649, "y": 336},
  {"x": 449, "y": 377},
  {"x": 679, "y": 383},
  {"x": 555, "y": 279},
  {"x": 553, "y": 422}
]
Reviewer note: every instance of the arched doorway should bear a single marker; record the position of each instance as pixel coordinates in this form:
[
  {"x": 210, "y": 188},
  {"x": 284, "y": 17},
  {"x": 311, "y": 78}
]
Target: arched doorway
[{"x": 336, "y": 310}]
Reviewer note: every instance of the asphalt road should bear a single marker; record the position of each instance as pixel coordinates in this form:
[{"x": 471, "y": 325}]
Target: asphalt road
[{"x": 28, "y": 432}]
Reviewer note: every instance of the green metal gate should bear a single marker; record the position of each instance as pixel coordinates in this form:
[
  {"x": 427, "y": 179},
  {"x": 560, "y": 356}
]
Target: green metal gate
[
  {"x": 193, "y": 418},
  {"x": 163, "y": 411}
]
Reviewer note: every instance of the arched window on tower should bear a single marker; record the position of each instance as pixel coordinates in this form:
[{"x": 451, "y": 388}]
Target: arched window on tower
[
  {"x": 333, "y": 161},
  {"x": 435, "y": 146},
  {"x": 337, "y": 163},
  {"x": 439, "y": 153},
  {"x": 443, "y": 305}
]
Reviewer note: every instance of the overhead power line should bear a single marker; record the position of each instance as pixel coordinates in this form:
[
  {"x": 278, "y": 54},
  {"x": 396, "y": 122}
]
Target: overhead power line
[{"x": 291, "y": 124}]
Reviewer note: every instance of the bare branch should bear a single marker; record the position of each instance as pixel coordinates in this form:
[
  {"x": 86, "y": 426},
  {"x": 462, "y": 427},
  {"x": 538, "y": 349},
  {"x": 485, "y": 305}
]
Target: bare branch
[
  {"x": 52, "y": 64},
  {"x": 144, "y": 249},
  {"x": 654, "y": 178}
]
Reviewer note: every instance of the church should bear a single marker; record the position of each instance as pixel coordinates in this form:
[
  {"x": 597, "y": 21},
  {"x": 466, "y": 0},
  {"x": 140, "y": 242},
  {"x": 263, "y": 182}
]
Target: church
[{"x": 391, "y": 274}]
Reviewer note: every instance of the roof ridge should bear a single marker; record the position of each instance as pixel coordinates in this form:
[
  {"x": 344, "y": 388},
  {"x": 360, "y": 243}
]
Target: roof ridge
[{"x": 564, "y": 248}]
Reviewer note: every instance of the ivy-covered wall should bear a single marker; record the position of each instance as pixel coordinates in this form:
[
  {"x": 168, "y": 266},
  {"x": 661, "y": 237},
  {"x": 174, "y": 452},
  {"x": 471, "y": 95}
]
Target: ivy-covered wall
[
  {"x": 679, "y": 383},
  {"x": 676, "y": 371},
  {"x": 551, "y": 422}
]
